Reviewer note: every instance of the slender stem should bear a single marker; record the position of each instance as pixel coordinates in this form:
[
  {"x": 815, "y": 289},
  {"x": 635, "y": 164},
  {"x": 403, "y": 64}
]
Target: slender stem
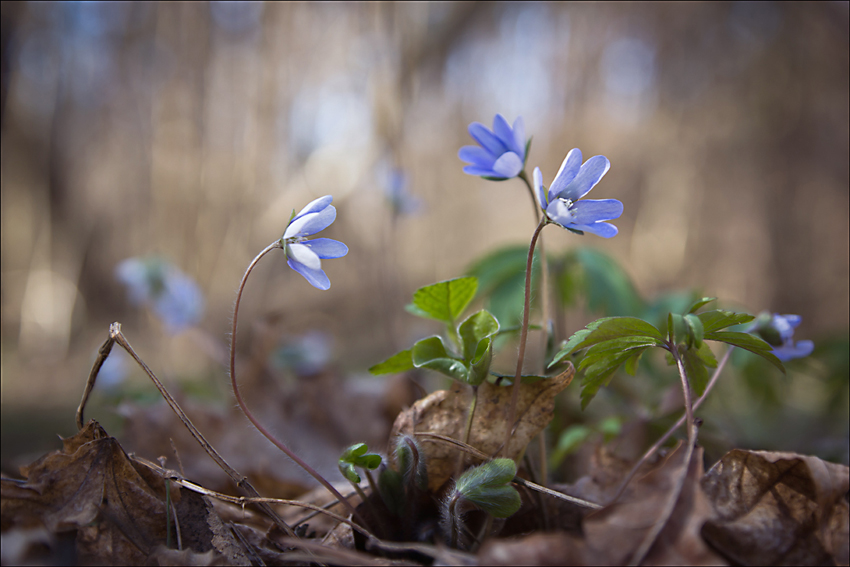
[
  {"x": 686, "y": 392},
  {"x": 534, "y": 205},
  {"x": 244, "y": 408},
  {"x": 523, "y": 337},
  {"x": 470, "y": 413},
  {"x": 657, "y": 445}
]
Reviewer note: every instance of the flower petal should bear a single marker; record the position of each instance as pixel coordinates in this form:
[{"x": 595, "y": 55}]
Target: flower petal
[
  {"x": 508, "y": 165},
  {"x": 315, "y": 206},
  {"x": 476, "y": 170},
  {"x": 317, "y": 278},
  {"x": 519, "y": 136},
  {"x": 326, "y": 248},
  {"x": 793, "y": 320},
  {"x": 790, "y": 350},
  {"x": 302, "y": 254},
  {"x": 603, "y": 229},
  {"x": 310, "y": 223},
  {"x": 588, "y": 176},
  {"x": 477, "y": 155},
  {"x": 566, "y": 173},
  {"x": 487, "y": 139},
  {"x": 539, "y": 190},
  {"x": 589, "y": 211},
  {"x": 503, "y": 131}
]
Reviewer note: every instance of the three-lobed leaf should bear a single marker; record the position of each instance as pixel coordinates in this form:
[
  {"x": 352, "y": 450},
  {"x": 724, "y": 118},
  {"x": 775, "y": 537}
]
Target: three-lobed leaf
[
  {"x": 399, "y": 362},
  {"x": 444, "y": 301},
  {"x": 431, "y": 353}
]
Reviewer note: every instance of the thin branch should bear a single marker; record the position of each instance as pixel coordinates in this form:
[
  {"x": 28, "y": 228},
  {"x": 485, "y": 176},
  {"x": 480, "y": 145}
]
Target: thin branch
[
  {"x": 117, "y": 336},
  {"x": 651, "y": 451}
]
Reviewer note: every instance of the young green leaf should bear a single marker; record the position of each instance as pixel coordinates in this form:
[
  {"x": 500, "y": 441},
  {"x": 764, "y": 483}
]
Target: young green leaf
[
  {"x": 445, "y": 301},
  {"x": 479, "y": 366},
  {"x": 399, "y": 362},
  {"x": 431, "y": 353},
  {"x": 676, "y": 328},
  {"x": 488, "y": 487},
  {"x": 477, "y": 327},
  {"x": 747, "y": 342},
  {"x": 695, "y": 330},
  {"x": 698, "y": 304},
  {"x": 695, "y": 370},
  {"x": 571, "y": 439},
  {"x": 357, "y": 456},
  {"x": 718, "y": 319}
]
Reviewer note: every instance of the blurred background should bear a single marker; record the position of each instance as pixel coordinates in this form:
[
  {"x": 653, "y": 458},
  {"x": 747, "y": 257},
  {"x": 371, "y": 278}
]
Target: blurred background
[{"x": 190, "y": 131}]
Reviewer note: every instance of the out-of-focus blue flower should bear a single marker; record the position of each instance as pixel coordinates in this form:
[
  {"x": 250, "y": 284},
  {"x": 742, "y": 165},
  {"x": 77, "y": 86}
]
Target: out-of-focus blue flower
[
  {"x": 305, "y": 256},
  {"x": 501, "y": 154},
  {"x": 175, "y": 297},
  {"x": 573, "y": 181},
  {"x": 114, "y": 370},
  {"x": 778, "y": 331},
  {"x": 396, "y": 191},
  {"x": 306, "y": 355}
]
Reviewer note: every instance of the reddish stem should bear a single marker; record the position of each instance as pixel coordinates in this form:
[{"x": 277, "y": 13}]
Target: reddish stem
[{"x": 250, "y": 416}]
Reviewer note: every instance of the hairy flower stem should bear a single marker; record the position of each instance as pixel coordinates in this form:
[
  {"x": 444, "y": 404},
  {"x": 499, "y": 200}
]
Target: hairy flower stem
[
  {"x": 523, "y": 336},
  {"x": 651, "y": 451},
  {"x": 250, "y": 416},
  {"x": 544, "y": 321}
]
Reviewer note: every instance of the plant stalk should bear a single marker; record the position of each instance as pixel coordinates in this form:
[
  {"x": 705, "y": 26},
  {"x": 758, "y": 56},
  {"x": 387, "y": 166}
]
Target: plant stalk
[
  {"x": 523, "y": 337},
  {"x": 280, "y": 445}
]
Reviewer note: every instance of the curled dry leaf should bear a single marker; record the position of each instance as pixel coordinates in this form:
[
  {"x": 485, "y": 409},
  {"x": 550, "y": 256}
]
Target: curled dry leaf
[
  {"x": 614, "y": 533},
  {"x": 778, "y": 509},
  {"x": 444, "y": 412},
  {"x": 117, "y": 510}
]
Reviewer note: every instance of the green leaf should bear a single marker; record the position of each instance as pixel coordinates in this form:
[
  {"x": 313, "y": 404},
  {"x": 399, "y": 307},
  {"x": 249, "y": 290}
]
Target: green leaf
[
  {"x": 358, "y": 456},
  {"x": 347, "y": 470},
  {"x": 391, "y": 489},
  {"x": 399, "y": 362},
  {"x": 695, "y": 371},
  {"x": 445, "y": 301},
  {"x": 707, "y": 357},
  {"x": 632, "y": 363},
  {"x": 488, "y": 487},
  {"x": 479, "y": 366},
  {"x": 608, "y": 288},
  {"x": 501, "y": 280},
  {"x": 599, "y": 374},
  {"x": 614, "y": 348},
  {"x": 747, "y": 342},
  {"x": 571, "y": 439},
  {"x": 431, "y": 353},
  {"x": 700, "y": 303},
  {"x": 676, "y": 328},
  {"x": 607, "y": 329},
  {"x": 718, "y": 319},
  {"x": 695, "y": 330},
  {"x": 477, "y": 327}
]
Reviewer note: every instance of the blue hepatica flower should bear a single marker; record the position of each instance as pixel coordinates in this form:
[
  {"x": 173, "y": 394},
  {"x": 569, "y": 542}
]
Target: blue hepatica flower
[
  {"x": 501, "y": 154},
  {"x": 305, "y": 256},
  {"x": 778, "y": 331},
  {"x": 174, "y": 297},
  {"x": 574, "y": 180}
]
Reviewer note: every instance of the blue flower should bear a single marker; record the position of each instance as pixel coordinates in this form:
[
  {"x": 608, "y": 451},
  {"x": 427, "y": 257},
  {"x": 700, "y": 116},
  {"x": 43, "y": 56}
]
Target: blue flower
[
  {"x": 574, "y": 180},
  {"x": 501, "y": 154},
  {"x": 778, "y": 331},
  {"x": 305, "y": 256},
  {"x": 397, "y": 194},
  {"x": 175, "y": 297}
]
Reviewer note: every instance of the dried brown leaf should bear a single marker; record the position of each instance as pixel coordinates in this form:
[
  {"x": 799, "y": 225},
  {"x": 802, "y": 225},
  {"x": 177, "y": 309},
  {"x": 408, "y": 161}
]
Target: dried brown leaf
[
  {"x": 92, "y": 487},
  {"x": 444, "y": 412},
  {"x": 616, "y": 532},
  {"x": 778, "y": 509},
  {"x": 536, "y": 549}
]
